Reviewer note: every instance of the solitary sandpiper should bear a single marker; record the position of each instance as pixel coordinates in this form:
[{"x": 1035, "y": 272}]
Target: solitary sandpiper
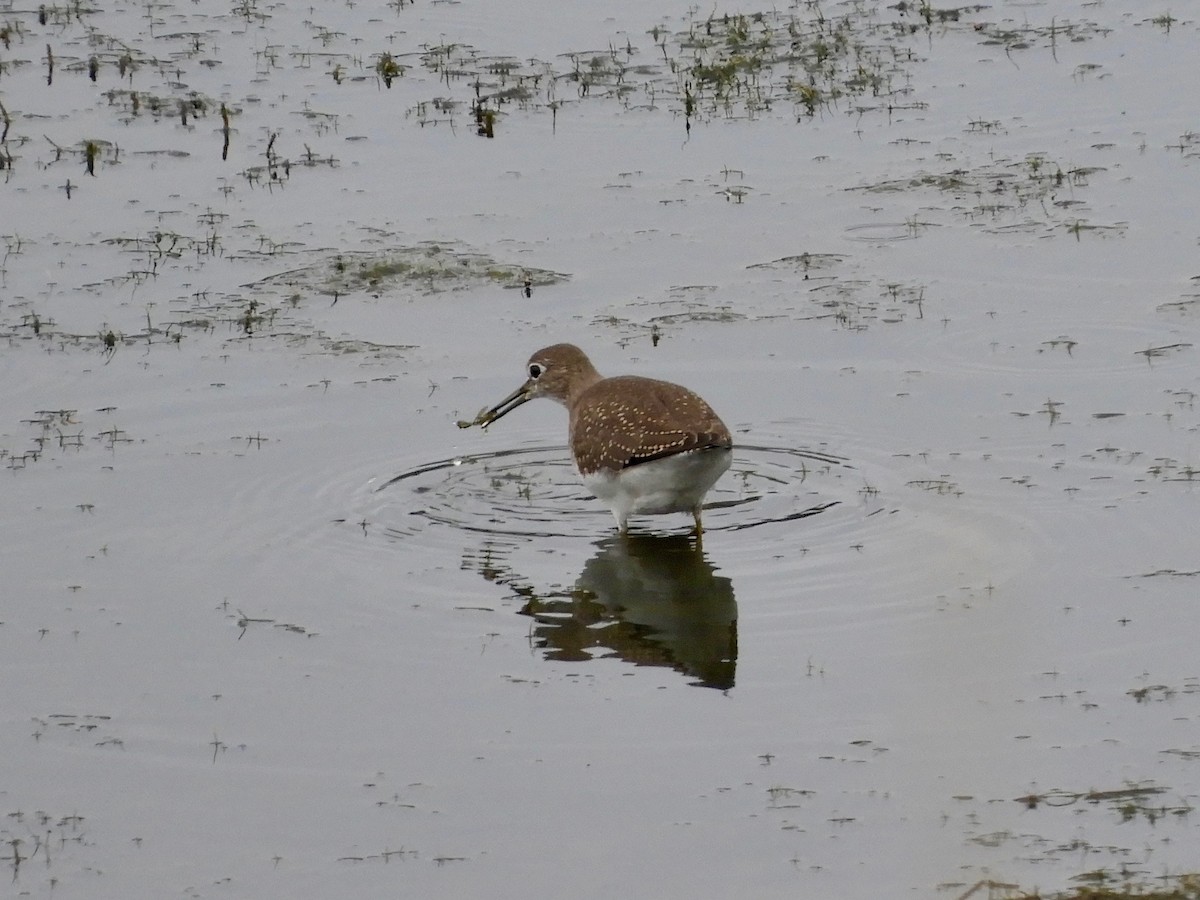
[{"x": 642, "y": 446}]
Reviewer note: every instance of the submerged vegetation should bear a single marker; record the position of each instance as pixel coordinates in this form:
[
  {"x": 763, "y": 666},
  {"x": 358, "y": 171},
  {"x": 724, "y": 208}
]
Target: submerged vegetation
[
  {"x": 800, "y": 62},
  {"x": 270, "y": 306},
  {"x": 807, "y": 60},
  {"x": 1005, "y": 195},
  {"x": 427, "y": 268},
  {"x": 1103, "y": 884}
]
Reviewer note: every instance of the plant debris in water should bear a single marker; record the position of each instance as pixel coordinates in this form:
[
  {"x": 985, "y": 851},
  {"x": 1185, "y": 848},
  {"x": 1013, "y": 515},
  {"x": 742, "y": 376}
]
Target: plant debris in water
[
  {"x": 426, "y": 268},
  {"x": 738, "y": 65},
  {"x": 1027, "y": 193}
]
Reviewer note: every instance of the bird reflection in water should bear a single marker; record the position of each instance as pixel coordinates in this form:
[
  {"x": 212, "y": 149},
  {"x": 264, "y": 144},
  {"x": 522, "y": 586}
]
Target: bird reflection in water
[{"x": 652, "y": 600}]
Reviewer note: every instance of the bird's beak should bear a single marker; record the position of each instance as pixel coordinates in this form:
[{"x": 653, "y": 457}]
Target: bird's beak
[{"x": 523, "y": 394}]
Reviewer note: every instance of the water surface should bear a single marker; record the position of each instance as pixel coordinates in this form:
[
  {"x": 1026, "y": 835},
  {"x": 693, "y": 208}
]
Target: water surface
[{"x": 272, "y": 625}]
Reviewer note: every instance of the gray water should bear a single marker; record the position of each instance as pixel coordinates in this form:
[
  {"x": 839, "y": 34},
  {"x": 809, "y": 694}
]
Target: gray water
[{"x": 273, "y": 626}]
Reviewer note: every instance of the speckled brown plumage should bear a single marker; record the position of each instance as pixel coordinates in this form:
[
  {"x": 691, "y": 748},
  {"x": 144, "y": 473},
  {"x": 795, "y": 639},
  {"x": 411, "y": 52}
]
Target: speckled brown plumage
[{"x": 620, "y": 422}]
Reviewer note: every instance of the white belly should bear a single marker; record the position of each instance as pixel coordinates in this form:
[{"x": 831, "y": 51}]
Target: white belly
[{"x": 675, "y": 483}]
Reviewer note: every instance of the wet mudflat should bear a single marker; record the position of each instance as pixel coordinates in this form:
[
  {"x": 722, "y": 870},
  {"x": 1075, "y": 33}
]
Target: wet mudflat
[{"x": 272, "y": 625}]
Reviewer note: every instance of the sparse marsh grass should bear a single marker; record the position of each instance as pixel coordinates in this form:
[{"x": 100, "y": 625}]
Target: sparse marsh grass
[
  {"x": 1034, "y": 192},
  {"x": 1099, "y": 884},
  {"x": 424, "y": 269},
  {"x": 803, "y": 62}
]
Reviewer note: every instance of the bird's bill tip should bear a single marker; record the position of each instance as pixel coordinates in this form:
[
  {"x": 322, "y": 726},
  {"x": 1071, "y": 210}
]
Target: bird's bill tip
[{"x": 521, "y": 395}]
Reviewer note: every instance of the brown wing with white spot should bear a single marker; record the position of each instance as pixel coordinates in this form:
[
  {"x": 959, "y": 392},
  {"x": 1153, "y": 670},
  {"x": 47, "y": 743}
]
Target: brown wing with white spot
[{"x": 620, "y": 422}]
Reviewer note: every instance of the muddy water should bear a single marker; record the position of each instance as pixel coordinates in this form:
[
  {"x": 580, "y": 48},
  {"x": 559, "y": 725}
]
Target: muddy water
[{"x": 272, "y": 625}]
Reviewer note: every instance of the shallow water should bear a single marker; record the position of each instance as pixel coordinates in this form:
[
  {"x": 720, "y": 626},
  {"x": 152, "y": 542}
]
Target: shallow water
[{"x": 272, "y": 625}]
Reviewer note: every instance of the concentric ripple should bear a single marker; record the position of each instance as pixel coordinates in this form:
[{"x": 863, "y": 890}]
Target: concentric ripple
[
  {"x": 802, "y": 546},
  {"x": 535, "y": 492}
]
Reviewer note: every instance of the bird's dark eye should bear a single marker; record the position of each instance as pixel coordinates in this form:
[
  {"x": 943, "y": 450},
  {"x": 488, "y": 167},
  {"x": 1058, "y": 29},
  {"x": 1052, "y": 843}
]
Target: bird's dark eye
[{"x": 535, "y": 371}]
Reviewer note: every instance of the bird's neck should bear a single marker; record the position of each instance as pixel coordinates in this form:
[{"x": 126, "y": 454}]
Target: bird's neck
[{"x": 580, "y": 383}]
